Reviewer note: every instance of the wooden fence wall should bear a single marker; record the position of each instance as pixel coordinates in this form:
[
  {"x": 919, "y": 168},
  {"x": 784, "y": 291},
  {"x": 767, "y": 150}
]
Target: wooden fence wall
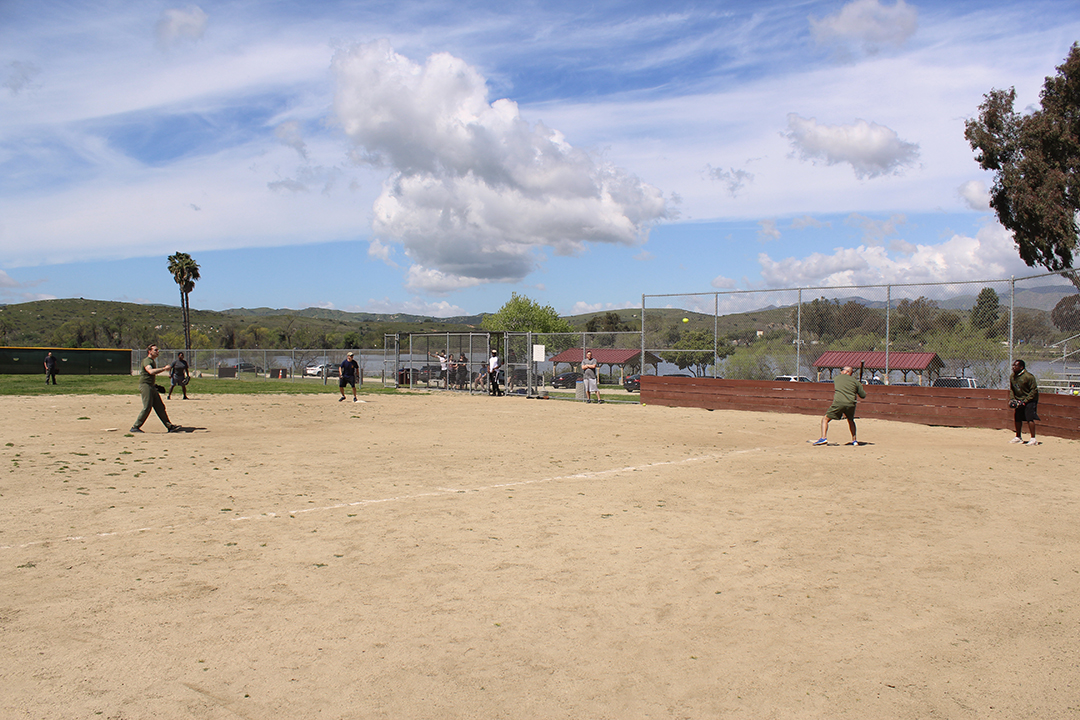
[{"x": 951, "y": 407}]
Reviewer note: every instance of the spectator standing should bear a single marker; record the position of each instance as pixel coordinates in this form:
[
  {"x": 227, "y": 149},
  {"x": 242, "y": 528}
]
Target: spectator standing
[
  {"x": 50, "y": 368},
  {"x": 444, "y": 359},
  {"x": 462, "y": 372},
  {"x": 350, "y": 373},
  {"x": 1024, "y": 400},
  {"x": 589, "y": 369},
  {"x": 493, "y": 373},
  {"x": 151, "y": 397},
  {"x": 847, "y": 391},
  {"x": 178, "y": 376}
]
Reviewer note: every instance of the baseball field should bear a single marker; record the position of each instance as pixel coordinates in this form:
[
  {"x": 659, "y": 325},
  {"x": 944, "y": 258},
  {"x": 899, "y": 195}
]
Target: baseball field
[{"x": 451, "y": 556}]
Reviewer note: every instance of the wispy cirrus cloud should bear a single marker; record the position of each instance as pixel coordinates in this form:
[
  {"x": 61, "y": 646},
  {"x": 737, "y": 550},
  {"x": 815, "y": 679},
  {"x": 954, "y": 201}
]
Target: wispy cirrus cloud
[
  {"x": 867, "y": 25},
  {"x": 178, "y": 25}
]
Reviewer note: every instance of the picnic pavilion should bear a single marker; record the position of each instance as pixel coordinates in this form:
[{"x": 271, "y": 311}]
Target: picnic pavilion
[{"x": 925, "y": 365}]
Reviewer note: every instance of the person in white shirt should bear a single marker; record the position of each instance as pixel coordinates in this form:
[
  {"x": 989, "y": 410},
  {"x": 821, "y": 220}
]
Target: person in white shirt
[{"x": 493, "y": 373}]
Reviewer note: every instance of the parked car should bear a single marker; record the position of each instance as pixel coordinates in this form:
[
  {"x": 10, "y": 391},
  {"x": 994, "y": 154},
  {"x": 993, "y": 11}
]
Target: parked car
[
  {"x": 566, "y": 380},
  {"x": 955, "y": 382},
  {"x": 791, "y": 378},
  {"x": 241, "y": 366},
  {"x": 632, "y": 383},
  {"x": 332, "y": 370}
]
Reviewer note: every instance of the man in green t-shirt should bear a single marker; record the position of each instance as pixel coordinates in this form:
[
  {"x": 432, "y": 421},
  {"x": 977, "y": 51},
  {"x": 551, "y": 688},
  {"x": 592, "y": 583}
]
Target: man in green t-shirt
[
  {"x": 848, "y": 390},
  {"x": 151, "y": 398}
]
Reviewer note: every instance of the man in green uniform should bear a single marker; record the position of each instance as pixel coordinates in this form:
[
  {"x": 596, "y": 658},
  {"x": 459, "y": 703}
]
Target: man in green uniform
[
  {"x": 848, "y": 390},
  {"x": 150, "y": 396},
  {"x": 1024, "y": 400}
]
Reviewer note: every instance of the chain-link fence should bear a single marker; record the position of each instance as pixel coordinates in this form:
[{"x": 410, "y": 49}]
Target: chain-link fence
[
  {"x": 532, "y": 364},
  {"x": 951, "y": 333},
  {"x": 958, "y": 334},
  {"x": 312, "y": 364}
]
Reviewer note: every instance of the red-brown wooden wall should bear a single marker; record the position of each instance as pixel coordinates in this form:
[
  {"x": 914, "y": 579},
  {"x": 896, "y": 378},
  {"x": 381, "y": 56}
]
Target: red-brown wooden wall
[{"x": 952, "y": 407}]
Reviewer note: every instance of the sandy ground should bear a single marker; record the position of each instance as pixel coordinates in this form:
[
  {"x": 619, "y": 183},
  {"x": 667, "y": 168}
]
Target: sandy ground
[{"x": 445, "y": 556}]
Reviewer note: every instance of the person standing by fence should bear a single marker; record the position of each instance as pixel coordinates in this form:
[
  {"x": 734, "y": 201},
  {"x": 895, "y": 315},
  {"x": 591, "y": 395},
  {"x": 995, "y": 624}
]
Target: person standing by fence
[
  {"x": 1024, "y": 400},
  {"x": 493, "y": 373},
  {"x": 50, "y": 368},
  {"x": 589, "y": 369}
]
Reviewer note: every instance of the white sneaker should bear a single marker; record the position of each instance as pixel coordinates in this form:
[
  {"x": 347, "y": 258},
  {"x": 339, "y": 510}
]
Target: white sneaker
[
  {"x": 1032, "y": 441},
  {"x": 1016, "y": 440}
]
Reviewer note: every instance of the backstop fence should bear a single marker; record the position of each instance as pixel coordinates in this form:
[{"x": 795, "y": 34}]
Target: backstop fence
[
  {"x": 970, "y": 330},
  {"x": 531, "y": 363}
]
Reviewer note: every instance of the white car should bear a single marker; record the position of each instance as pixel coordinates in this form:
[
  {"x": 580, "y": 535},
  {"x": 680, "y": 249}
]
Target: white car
[
  {"x": 317, "y": 370},
  {"x": 791, "y": 378}
]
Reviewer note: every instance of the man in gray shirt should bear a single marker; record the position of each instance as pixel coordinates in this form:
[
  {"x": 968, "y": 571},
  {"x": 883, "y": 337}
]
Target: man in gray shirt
[{"x": 589, "y": 369}]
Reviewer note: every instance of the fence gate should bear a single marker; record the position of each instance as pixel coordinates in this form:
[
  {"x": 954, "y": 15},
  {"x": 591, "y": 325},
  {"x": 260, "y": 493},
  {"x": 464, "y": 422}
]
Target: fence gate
[{"x": 391, "y": 360}]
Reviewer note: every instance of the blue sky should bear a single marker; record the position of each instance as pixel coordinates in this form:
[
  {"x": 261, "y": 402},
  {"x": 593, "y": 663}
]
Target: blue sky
[{"x": 432, "y": 157}]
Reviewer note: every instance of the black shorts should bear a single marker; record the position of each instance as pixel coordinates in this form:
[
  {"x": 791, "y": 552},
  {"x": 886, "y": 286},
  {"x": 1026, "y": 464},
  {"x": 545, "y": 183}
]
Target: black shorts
[
  {"x": 1028, "y": 412},
  {"x": 343, "y": 381}
]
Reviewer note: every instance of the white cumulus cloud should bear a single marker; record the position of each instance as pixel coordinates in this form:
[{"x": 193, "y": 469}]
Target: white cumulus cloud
[
  {"x": 991, "y": 253},
  {"x": 872, "y": 150},
  {"x": 867, "y": 24},
  {"x": 975, "y": 194},
  {"x": 475, "y": 191}
]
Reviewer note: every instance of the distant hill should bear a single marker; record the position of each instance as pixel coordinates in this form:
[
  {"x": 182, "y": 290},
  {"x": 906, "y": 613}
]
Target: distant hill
[{"x": 98, "y": 323}]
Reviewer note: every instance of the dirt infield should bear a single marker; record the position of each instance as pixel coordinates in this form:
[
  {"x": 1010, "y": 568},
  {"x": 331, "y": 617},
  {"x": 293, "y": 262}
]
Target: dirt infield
[{"x": 449, "y": 556}]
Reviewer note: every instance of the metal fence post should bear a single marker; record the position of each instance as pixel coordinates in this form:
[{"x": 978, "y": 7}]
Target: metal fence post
[
  {"x": 641, "y": 357},
  {"x": 798, "y": 336},
  {"x": 888, "y": 317},
  {"x": 715, "y": 332}
]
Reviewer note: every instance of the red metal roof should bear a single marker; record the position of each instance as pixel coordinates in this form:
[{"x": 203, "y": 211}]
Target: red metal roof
[
  {"x": 875, "y": 360},
  {"x": 604, "y": 356}
]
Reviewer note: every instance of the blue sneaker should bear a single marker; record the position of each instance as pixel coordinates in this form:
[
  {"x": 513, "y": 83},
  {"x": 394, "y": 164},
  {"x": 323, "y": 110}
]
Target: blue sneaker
[{"x": 821, "y": 441}]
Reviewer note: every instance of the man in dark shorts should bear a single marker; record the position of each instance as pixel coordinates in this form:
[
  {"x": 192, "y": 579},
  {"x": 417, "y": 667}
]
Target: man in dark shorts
[
  {"x": 1024, "y": 400},
  {"x": 350, "y": 373},
  {"x": 50, "y": 369},
  {"x": 848, "y": 390},
  {"x": 178, "y": 376},
  {"x": 151, "y": 398}
]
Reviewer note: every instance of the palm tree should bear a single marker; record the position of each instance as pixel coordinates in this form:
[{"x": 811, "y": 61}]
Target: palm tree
[{"x": 185, "y": 272}]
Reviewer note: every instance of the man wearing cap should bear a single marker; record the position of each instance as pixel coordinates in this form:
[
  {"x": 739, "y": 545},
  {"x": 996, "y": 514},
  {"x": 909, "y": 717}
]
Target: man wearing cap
[{"x": 350, "y": 373}]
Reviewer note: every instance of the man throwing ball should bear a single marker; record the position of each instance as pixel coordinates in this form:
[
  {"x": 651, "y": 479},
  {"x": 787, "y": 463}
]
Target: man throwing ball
[
  {"x": 151, "y": 398},
  {"x": 848, "y": 390}
]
